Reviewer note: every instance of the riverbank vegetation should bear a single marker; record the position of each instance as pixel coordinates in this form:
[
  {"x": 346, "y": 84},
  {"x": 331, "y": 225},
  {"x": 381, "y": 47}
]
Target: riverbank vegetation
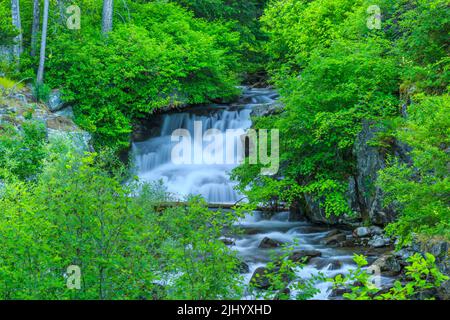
[
  {"x": 336, "y": 64},
  {"x": 334, "y": 68}
]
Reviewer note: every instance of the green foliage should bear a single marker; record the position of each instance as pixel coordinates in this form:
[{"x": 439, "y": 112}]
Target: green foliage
[
  {"x": 78, "y": 213},
  {"x": 202, "y": 267},
  {"x": 328, "y": 84},
  {"x": 243, "y": 17},
  {"x": 163, "y": 57},
  {"x": 22, "y": 150},
  {"x": 41, "y": 92},
  {"x": 7, "y": 30},
  {"x": 422, "y": 275},
  {"x": 280, "y": 275},
  {"x": 333, "y": 72},
  {"x": 421, "y": 192}
]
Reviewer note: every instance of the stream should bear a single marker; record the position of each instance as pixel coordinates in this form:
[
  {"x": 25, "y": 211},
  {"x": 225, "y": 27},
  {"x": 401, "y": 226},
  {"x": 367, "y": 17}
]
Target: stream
[{"x": 153, "y": 162}]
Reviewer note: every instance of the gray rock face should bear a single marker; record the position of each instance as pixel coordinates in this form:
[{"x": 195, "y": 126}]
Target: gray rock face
[
  {"x": 439, "y": 249},
  {"x": 58, "y": 125},
  {"x": 315, "y": 212},
  {"x": 369, "y": 160},
  {"x": 55, "y": 103}
]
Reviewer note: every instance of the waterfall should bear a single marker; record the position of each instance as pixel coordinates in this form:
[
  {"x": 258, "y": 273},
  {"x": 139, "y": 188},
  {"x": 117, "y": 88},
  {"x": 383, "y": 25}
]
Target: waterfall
[{"x": 153, "y": 158}]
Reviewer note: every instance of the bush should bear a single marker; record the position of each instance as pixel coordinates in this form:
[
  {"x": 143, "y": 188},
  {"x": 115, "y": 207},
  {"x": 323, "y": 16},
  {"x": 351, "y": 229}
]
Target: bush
[
  {"x": 22, "y": 150},
  {"x": 421, "y": 191},
  {"x": 77, "y": 213},
  {"x": 163, "y": 58}
]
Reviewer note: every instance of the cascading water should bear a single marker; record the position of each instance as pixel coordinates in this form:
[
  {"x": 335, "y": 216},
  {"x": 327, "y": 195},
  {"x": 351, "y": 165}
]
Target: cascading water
[{"x": 153, "y": 160}]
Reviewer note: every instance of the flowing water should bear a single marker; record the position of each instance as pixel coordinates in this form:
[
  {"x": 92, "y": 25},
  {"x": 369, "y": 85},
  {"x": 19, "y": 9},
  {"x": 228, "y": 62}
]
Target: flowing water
[{"x": 153, "y": 162}]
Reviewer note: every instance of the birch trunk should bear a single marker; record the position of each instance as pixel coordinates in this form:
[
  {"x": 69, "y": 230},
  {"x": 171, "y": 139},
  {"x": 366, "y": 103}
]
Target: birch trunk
[
  {"x": 35, "y": 27},
  {"x": 40, "y": 74},
  {"x": 107, "y": 16},
  {"x": 15, "y": 12}
]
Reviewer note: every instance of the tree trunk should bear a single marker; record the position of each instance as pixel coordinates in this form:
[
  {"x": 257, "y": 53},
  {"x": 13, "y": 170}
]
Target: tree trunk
[
  {"x": 35, "y": 27},
  {"x": 107, "y": 16},
  {"x": 62, "y": 14},
  {"x": 15, "y": 12},
  {"x": 40, "y": 74}
]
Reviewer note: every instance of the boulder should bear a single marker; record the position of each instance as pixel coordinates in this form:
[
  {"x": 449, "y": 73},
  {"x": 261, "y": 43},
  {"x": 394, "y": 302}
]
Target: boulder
[
  {"x": 322, "y": 263},
  {"x": 228, "y": 241},
  {"x": 334, "y": 240},
  {"x": 242, "y": 267},
  {"x": 337, "y": 293},
  {"x": 261, "y": 280},
  {"x": 375, "y": 230},
  {"x": 304, "y": 255},
  {"x": 55, "y": 102},
  {"x": 388, "y": 265},
  {"x": 268, "y": 243},
  {"x": 362, "y": 232},
  {"x": 379, "y": 242}
]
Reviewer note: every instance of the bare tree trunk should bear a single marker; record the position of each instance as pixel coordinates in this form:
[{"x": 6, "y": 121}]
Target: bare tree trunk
[
  {"x": 35, "y": 27},
  {"x": 15, "y": 12},
  {"x": 107, "y": 16},
  {"x": 40, "y": 74},
  {"x": 62, "y": 14}
]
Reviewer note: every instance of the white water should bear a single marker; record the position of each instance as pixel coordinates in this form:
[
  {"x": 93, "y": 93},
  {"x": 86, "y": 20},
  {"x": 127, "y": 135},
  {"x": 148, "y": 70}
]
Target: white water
[
  {"x": 153, "y": 162},
  {"x": 153, "y": 157}
]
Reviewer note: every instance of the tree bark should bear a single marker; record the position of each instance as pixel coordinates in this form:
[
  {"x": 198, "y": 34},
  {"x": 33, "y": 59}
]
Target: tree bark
[
  {"x": 62, "y": 13},
  {"x": 40, "y": 74},
  {"x": 35, "y": 27},
  {"x": 15, "y": 12},
  {"x": 107, "y": 16}
]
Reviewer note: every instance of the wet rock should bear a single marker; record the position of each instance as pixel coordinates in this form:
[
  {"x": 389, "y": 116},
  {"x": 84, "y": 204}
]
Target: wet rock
[
  {"x": 440, "y": 249},
  {"x": 334, "y": 240},
  {"x": 315, "y": 213},
  {"x": 228, "y": 241},
  {"x": 338, "y": 292},
  {"x": 379, "y": 242},
  {"x": 349, "y": 243},
  {"x": 333, "y": 233},
  {"x": 268, "y": 243},
  {"x": 322, "y": 263},
  {"x": 259, "y": 278},
  {"x": 362, "y": 232},
  {"x": 375, "y": 230},
  {"x": 388, "y": 265},
  {"x": 304, "y": 255},
  {"x": 242, "y": 267}
]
